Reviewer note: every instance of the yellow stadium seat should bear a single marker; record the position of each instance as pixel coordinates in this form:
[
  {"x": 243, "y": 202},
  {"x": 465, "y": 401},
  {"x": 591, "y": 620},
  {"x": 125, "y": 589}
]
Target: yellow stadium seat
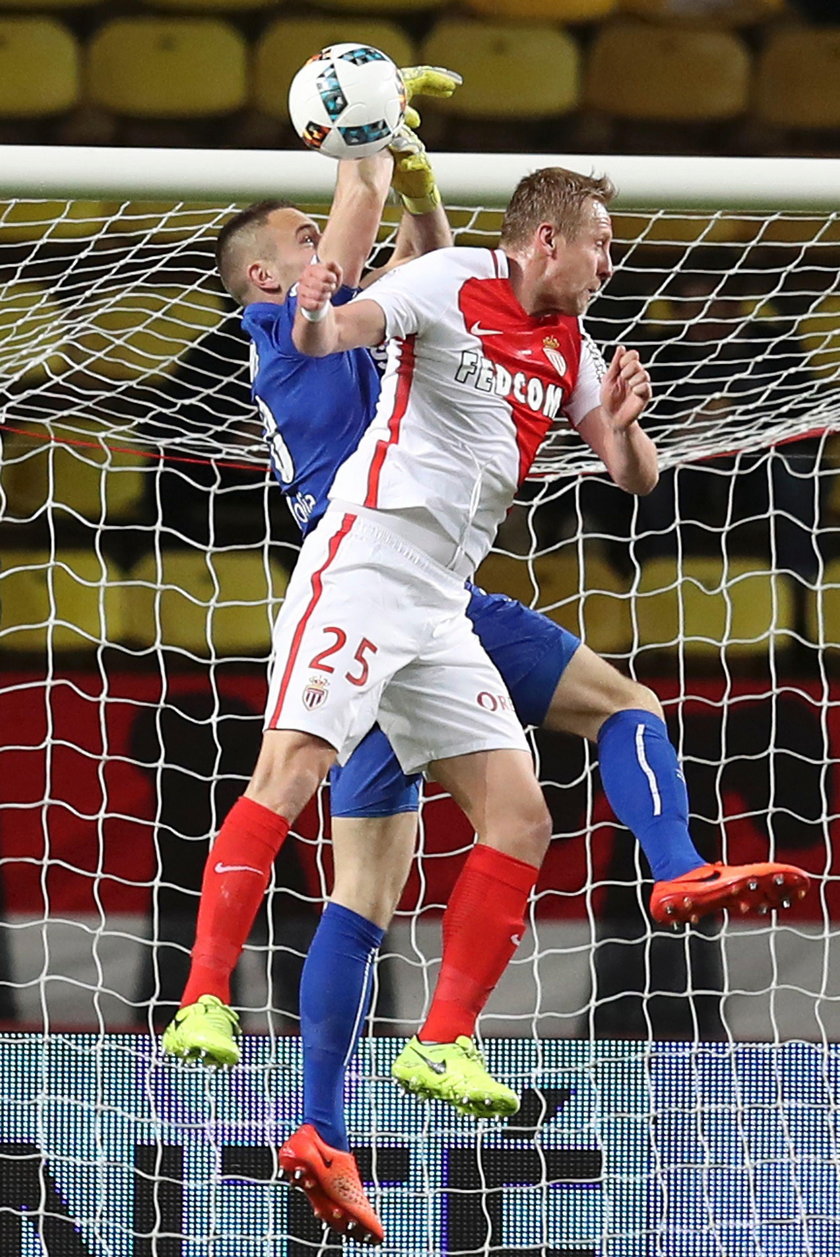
[
  {"x": 368, "y": 7},
  {"x": 707, "y": 604},
  {"x": 592, "y": 602},
  {"x": 822, "y": 609},
  {"x": 287, "y": 43},
  {"x": 509, "y": 574},
  {"x": 76, "y": 469},
  {"x": 145, "y": 332},
  {"x": 30, "y": 333},
  {"x": 214, "y": 603},
  {"x": 38, "y": 6},
  {"x": 718, "y": 13},
  {"x": 667, "y": 74},
  {"x": 559, "y": 11},
  {"x": 212, "y": 6},
  {"x": 798, "y": 78},
  {"x": 509, "y": 70},
  {"x": 70, "y": 601},
  {"x": 25, "y": 220},
  {"x": 168, "y": 67},
  {"x": 819, "y": 331},
  {"x": 39, "y": 67}
]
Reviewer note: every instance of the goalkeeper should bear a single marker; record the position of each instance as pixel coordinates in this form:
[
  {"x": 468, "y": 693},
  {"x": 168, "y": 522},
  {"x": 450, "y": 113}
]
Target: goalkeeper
[{"x": 315, "y": 412}]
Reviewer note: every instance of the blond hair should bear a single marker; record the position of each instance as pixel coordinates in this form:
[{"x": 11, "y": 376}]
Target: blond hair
[{"x": 553, "y": 195}]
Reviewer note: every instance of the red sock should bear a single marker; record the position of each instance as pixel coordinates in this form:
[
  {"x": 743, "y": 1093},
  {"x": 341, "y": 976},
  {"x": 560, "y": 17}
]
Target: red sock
[
  {"x": 235, "y": 877},
  {"x": 482, "y": 927}
]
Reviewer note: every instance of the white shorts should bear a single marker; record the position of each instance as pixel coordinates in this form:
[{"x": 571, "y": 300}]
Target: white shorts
[{"x": 373, "y": 629}]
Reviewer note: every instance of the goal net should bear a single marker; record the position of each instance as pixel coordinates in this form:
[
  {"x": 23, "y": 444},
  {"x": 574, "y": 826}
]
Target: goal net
[{"x": 679, "y": 1089}]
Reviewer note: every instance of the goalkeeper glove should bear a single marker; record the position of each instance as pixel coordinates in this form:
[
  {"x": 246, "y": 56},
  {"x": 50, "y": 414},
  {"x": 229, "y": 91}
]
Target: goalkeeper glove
[{"x": 413, "y": 179}]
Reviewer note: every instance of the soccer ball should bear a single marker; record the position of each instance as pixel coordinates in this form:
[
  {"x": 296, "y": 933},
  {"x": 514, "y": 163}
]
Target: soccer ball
[{"x": 347, "y": 101}]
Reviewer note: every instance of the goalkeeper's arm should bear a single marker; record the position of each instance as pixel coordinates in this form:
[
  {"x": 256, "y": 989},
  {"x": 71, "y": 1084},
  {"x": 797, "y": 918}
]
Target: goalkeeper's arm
[{"x": 424, "y": 225}]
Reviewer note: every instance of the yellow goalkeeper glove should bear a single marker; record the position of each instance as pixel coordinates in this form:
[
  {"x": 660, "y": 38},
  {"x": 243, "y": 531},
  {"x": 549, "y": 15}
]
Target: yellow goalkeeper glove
[{"x": 413, "y": 179}]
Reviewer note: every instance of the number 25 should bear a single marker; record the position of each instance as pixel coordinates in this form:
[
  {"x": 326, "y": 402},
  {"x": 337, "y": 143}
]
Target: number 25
[{"x": 364, "y": 648}]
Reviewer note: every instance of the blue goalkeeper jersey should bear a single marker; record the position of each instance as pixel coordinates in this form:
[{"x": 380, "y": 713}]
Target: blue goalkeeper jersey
[{"x": 314, "y": 410}]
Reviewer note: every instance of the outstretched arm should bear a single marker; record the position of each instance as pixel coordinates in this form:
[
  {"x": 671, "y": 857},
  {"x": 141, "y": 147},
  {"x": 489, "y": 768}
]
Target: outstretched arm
[
  {"x": 424, "y": 225},
  {"x": 321, "y": 328},
  {"x": 612, "y": 429},
  {"x": 361, "y": 190}
]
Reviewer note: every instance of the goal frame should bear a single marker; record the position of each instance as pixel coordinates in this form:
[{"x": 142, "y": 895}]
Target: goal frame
[{"x": 735, "y": 183}]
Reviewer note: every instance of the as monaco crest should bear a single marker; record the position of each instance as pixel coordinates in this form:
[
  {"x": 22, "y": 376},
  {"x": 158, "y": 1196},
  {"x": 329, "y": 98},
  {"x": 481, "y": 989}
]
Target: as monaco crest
[
  {"x": 315, "y": 692},
  {"x": 551, "y": 349}
]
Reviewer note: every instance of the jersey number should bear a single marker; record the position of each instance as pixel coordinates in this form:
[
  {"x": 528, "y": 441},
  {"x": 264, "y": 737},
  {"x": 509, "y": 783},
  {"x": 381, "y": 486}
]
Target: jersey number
[
  {"x": 281, "y": 455},
  {"x": 365, "y": 647}
]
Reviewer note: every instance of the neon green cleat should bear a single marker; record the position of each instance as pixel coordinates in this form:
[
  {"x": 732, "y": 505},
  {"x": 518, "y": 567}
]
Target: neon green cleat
[
  {"x": 455, "y": 1073},
  {"x": 205, "y": 1031}
]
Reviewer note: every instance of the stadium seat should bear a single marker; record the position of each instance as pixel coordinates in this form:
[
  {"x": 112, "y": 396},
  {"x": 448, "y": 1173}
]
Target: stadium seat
[
  {"x": 288, "y": 42},
  {"x": 819, "y": 331},
  {"x": 23, "y": 220},
  {"x": 211, "y": 6},
  {"x": 38, "y": 6},
  {"x": 214, "y": 603},
  {"x": 717, "y": 13},
  {"x": 593, "y": 604},
  {"x": 706, "y": 603},
  {"x": 75, "y": 468},
  {"x": 168, "y": 67},
  {"x": 797, "y": 81},
  {"x": 39, "y": 67},
  {"x": 667, "y": 74},
  {"x": 822, "y": 609},
  {"x": 70, "y": 600},
  {"x": 368, "y": 7},
  {"x": 144, "y": 332},
  {"x": 510, "y": 70},
  {"x": 558, "y": 11},
  {"x": 30, "y": 333}
]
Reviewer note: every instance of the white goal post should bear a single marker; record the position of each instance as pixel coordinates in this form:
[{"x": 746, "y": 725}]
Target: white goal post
[{"x": 143, "y": 552}]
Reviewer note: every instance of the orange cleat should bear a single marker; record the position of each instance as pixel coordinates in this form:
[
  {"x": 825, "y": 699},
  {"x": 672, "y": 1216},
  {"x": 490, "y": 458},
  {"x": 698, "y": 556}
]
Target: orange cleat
[
  {"x": 741, "y": 888},
  {"x": 330, "y": 1180}
]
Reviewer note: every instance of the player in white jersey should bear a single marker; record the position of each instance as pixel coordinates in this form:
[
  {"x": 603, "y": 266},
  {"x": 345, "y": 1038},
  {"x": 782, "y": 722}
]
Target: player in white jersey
[{"x": 381, "y": 568}]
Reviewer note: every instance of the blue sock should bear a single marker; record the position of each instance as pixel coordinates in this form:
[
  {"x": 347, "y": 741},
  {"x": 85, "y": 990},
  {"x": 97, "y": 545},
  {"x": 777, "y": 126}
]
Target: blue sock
[
  {"x": 645, "y": 788},
  {"x": 335, "y": 995}
]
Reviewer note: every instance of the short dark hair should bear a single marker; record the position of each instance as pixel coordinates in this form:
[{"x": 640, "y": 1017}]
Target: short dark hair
[
  {"x": 554, "y": 195},
  {"x": 246, "y": 220}
]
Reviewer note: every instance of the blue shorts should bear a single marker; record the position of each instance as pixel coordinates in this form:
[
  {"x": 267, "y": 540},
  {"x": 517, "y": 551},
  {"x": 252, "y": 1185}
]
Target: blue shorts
[{"x": 531, "y": 653}]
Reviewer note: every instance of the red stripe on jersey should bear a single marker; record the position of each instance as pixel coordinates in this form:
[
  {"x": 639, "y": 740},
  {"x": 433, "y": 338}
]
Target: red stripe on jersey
[
  {"x": 529, "y": 361},
  {"x": 405, "y": 375},
  {"x": 317, "y": 590}
]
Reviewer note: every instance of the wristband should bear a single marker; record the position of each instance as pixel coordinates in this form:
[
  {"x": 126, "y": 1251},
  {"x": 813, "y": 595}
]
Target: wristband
[{"x": 315, "y": 316}]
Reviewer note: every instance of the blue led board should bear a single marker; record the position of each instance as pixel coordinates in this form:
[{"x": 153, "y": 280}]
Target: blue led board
[{"x": 619, "y": 1150}]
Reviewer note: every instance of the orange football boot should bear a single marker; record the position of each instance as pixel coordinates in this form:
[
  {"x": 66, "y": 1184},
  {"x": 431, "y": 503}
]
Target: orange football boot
[
  {"x": 743, "y": 888},
  {"x": 330, "y": 1179}
]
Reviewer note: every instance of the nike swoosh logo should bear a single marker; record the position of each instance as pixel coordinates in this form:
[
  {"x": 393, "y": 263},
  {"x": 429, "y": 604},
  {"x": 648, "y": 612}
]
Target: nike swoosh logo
[
  {"x": 439, "y": 1067},
  {"x": 235, "y": 868},
  {"x": 478, "y": 330},
  {"x": 326, "y": 1160}
]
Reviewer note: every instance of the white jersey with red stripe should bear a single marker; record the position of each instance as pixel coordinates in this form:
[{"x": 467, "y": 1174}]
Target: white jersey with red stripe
[{"x": 472, "y": 386}]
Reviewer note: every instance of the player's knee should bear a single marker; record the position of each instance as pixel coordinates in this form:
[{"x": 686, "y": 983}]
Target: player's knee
[
  {"x": 289, "y": 770},
  {"x": 526, "y": 835},
  {"x": 642, "y": 698}
]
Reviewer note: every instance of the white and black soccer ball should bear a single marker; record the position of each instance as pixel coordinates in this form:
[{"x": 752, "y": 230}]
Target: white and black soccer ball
[{"x": 347, "y": 101}]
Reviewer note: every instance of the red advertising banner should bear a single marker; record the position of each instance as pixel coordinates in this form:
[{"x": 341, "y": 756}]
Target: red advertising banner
[{"x": 108, "y": 781}]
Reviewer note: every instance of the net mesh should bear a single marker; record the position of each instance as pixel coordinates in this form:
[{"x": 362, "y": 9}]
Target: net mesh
[{"x": 144, "y": 554}]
